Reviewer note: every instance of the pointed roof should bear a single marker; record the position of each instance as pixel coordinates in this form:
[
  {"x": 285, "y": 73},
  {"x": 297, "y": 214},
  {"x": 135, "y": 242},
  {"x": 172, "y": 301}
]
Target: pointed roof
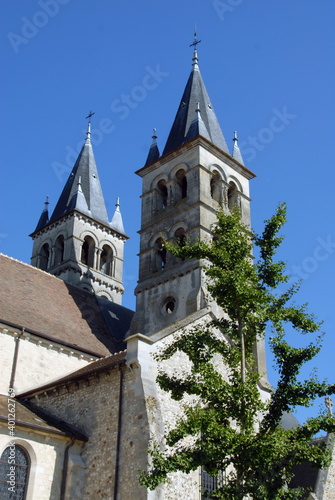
[
  {"x": 237, "y": 155},
  {"x": 44, "y": 218},
  {"x": 78, "y": 200},
  {"x": 83, "y": 188},
  {"x": 197, "y": 127},
  {"x": 195, "y": 92},
  {"x": 116, "y": 222},
  {"x": 153, "y": 154}
]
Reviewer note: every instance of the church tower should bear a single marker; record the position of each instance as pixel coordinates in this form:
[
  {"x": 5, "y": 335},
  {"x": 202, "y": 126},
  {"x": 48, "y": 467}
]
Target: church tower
[
  {"x": 77, "y": 243},
  {"x": 182, "y": 190}
]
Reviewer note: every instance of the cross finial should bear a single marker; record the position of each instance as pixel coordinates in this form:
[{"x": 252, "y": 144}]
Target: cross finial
[
  {"x": 329, "y": 404},
  {"x": 195, "y": 41},
  {"x": 89, "y": 116}
]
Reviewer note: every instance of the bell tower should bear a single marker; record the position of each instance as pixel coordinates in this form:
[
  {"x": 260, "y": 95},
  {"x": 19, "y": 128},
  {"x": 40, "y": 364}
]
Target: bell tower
[
  {"x": 182, "y": 189},
  {"x": 77, "y": 243}
]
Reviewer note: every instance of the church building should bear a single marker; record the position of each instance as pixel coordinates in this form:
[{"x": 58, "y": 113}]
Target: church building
[{"x": 79, "y": 398}]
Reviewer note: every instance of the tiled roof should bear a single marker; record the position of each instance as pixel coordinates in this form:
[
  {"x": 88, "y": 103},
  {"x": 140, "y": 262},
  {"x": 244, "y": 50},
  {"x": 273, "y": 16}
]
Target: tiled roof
[
  {"x": 98, "y": 366},
  {"x": 34, "y": 418},
  {"x": 44, "y": 304}
]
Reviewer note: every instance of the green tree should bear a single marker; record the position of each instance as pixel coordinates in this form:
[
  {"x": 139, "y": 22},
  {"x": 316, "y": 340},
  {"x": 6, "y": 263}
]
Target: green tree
[{"x": 233, "y": 431}]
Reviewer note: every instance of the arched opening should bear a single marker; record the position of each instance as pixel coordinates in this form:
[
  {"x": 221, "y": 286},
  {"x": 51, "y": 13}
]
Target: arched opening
[
  {"x": 232, "y": 195},
  {"x": 59, "y": 250},
  {"x": 45, "y": 257},
  {"x": 163, "y": 194},
  {"x": 106, "y": 260},
  {"x": 87, "y": 251},
  {"x": 180, "y": 237},
  {"x": 160, "y": 254},
  {"x": 14, "y": 456},
  {"x": 215, "y": 186},
  {"x": 182, "y": 183}
]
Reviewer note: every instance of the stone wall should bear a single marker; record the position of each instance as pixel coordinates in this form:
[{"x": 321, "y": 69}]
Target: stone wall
[
  {"x": 325, "y": 487},
  {"x": 92, "y": 406},
  {"x": 46, "y": 453},
  {"x": 50, "y": 361}
]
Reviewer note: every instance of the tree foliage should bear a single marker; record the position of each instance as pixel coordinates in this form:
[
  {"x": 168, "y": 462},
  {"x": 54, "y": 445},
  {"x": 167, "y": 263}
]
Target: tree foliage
[{"x": 233, "y": 430}]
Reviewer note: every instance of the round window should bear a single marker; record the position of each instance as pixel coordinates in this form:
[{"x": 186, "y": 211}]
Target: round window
[{"x": 169, "y": 305}]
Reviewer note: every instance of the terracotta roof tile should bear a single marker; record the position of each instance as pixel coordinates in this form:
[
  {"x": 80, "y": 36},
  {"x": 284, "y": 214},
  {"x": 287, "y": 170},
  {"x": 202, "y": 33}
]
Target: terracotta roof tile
[{"x": 44, "y": 304}]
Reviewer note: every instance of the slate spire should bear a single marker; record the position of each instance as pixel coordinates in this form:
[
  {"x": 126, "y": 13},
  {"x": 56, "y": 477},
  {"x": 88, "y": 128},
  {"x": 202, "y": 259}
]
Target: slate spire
[
  {"x": 83, "y": 182},
  {"x": 116, "y": 222},
  {"x": 153, "y": 154},
  {"x": 44, "y": 218},
  {"x": 237, "y": 155},
  {"x": 197, "y": 127},
  {"x": 195, "y": 92}
]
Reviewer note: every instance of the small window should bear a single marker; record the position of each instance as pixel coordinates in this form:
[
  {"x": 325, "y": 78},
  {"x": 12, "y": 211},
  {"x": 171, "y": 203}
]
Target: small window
[
  {"x": 45, "y": 257},
  {"x": 87, "y": 251},
  {"x": 14, "y": 482},
  {"x": 182, "y": 183},
  {"x": 163, "y": 194},
  {"x": 180, "y": 237},
  {"x": 106, "y": 260},
  {"x": 160, "y": 254},
  {"x": 232, "y": 195},
  {"x": 169, "y": 306},
  {"x": 215, "y": 186},
  {"x": 59, "y": 250},
  {"x": 210, "y": 483}
]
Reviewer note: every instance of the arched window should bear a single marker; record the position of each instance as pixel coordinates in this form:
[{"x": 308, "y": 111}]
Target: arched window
[
  {"x": 215, "y": 186},
  {"x": 232, "y": 195},
  {"x": 44, "y": 257},
  {"x": 180, "y": 237},
  {"x": 182, "y": 183},
  {"x": 160, "y": 255},
  {"x": 106, "y": 260},
  {"x": 14, "y": 473},
  {"x": 59, "y": 250},
  {"x": 163, "y": 194},
  {"x": 87, "y": 251}
]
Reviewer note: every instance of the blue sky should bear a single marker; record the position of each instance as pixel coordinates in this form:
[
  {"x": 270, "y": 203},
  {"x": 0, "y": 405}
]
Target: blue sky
[{"x": 269, "y": 70}]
